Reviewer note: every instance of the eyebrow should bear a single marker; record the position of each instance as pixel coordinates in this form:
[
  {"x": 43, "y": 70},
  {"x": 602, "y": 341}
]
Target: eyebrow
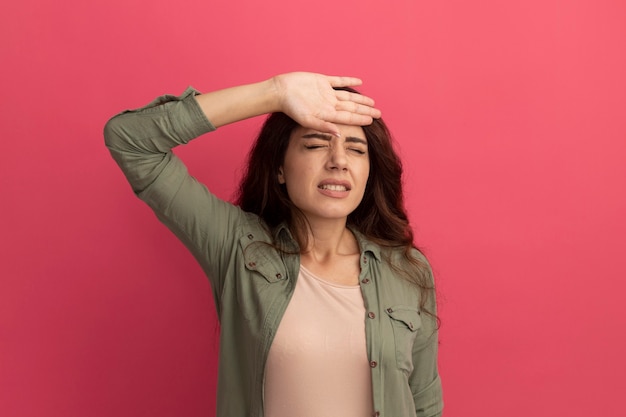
[{"x": 324, "y": 136}]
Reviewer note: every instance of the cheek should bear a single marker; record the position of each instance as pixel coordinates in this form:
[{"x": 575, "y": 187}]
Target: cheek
[
  {"x": 365, "y": 173},
  {"x": 296, "y": 194},
  {"x": 299, "y": 170},
  {"x": 290, "y": 166}
]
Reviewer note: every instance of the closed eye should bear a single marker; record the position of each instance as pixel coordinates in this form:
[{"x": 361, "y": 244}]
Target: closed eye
[{"x": 358, "y": 151}]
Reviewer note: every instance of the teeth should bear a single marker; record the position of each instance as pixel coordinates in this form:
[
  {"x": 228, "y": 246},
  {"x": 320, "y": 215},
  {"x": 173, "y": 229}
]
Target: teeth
[{"x": 333, "y": 187}]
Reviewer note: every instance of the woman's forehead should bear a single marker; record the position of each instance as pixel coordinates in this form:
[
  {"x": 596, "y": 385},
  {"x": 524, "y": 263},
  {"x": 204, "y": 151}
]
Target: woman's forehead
[{"x": 347, "y": 132}]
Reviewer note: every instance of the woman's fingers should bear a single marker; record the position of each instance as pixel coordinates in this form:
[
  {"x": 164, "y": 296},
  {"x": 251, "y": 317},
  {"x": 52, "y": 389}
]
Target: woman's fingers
[
  {"x": 351, "y": 118},
  {"x": 311, "y": 101},
  {"x": 336, "y": 81},
  {"x": 343, "y": 95},
  {"x": 356, "y": 103},
  {"x": 320, "y": 124},
  {"x": 357, "y": 108}
]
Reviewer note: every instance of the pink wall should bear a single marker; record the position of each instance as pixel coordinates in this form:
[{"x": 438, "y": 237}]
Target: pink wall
[{"x": 511, "y": 120}]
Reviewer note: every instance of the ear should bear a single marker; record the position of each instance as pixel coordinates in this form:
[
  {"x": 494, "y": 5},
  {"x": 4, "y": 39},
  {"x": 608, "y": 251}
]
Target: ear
[{"x": 281, "y": 176}]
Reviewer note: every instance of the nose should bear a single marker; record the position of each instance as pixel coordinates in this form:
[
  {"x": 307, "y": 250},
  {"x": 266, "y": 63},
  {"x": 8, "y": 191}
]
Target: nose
[{"x": 337, "y": 158}]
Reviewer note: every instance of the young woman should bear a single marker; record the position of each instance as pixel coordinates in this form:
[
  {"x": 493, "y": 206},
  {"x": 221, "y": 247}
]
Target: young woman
[{"x": 325, "y": 306}]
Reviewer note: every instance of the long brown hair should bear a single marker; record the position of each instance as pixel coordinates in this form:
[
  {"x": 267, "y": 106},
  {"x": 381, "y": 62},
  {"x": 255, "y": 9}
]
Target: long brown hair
[{"x": 380, "y": 216}]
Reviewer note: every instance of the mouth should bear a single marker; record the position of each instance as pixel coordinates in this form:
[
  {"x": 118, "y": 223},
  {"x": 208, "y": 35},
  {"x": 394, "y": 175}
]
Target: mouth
[{"x": 334, "y": 187}]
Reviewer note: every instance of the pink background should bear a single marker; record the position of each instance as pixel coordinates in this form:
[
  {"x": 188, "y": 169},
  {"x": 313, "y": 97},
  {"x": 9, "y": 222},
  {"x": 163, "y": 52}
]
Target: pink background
[{"x": 511, "y": 120}]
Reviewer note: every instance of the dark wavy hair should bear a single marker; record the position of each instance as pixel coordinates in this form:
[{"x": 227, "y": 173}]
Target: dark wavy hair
[{"x": 380, "y": 216}]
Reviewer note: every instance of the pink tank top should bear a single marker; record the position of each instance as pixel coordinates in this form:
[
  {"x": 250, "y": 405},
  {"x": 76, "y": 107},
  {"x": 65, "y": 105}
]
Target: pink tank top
[{"x": 317, "y": 364}]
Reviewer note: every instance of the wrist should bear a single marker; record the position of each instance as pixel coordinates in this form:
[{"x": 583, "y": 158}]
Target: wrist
[{"x": 274, "y": 94}]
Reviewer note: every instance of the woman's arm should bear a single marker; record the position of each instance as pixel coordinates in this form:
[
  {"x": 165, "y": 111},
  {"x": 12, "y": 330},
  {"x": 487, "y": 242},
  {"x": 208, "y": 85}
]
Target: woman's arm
[
  {"x": 307, "y": 98},
  {"x": 424, "y": 381},
  {"x": 141, "y": 140}
]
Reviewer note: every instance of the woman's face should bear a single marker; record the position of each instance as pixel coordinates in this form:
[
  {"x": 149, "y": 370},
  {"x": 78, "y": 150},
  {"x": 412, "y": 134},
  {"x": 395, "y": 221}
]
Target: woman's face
[{"x": 326, "y": 175}]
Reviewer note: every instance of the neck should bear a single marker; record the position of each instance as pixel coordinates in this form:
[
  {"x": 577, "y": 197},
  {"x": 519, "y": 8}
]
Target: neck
[
  {"x": 328, "y": 238},
  {"x": 332, "y": 252}
]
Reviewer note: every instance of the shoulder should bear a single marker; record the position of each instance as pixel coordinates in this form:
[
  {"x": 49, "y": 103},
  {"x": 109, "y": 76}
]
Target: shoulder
[
  {"x": 407, "y": 263},
  {"x": 253, "y": 228},
  {"x": 254, "y": 233},
  {"x": 405, "y": 257}
]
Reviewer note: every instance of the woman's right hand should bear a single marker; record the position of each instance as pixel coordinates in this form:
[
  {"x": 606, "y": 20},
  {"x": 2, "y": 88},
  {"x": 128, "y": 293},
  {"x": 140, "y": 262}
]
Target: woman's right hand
[
  {"x": 306, "y": 97},
  {"x": 310, "y": 100}
]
